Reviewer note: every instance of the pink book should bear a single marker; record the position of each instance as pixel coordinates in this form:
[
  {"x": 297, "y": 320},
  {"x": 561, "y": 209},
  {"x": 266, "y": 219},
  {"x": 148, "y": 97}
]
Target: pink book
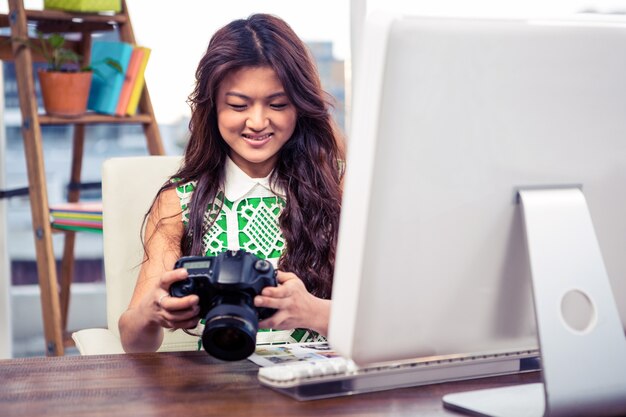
[{"x": 129, "y": 81}]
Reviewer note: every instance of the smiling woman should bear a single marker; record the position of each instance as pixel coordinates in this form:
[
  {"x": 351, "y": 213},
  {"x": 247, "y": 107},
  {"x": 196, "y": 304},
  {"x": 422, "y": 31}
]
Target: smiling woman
[{"x": 261, "y": 173}]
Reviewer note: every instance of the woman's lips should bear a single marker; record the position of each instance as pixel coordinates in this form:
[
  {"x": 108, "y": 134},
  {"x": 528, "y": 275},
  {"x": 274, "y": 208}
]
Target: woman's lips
[{"x": 257, "y": 140}]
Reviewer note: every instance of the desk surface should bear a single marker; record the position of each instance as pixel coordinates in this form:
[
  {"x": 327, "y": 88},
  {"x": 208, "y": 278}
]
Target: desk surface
[{"x": 193, "y": 384}]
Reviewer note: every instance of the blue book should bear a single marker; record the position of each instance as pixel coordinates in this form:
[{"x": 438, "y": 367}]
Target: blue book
[{"x": 106, "y": 84}]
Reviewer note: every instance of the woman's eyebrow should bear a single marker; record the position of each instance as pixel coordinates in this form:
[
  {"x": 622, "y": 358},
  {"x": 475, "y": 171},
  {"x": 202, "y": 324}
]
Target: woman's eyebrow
[
  {"x": 239, "y": 95},
  {"x": 245, "y": 97},
  {"x": 278, "y": 94}
]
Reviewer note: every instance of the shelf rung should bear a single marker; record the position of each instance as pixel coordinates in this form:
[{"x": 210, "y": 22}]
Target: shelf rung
[
  {"x": 59, "y": 15},
  {"x": 89, "y": 118},
  {"x": 49, "y": 21}
]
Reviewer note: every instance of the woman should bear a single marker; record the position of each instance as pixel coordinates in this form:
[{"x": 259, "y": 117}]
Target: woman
[{"x": 261, "y": 172}]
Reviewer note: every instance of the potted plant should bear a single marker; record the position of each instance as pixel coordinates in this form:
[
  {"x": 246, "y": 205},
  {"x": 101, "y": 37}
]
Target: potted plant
[{"x": 64, "y": 81}]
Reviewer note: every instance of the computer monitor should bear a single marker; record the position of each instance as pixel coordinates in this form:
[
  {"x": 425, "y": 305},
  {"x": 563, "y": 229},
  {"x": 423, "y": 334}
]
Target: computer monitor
[{"x": 450, "y": 118}]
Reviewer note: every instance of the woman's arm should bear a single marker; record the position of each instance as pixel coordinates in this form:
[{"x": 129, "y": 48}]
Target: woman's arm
[
  {"x": 151, "y": 309},
  {"x": 296, "y": 306}
]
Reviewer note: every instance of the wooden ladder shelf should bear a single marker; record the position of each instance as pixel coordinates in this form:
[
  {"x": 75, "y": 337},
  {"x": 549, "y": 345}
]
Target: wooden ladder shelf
[{"x": 55, "y": 294}]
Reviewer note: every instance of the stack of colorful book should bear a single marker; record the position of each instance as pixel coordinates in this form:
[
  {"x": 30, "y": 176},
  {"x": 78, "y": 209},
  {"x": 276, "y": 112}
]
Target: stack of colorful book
[
  {"x": 81, "y": 216},
  {"x": 111, "y": 91}
]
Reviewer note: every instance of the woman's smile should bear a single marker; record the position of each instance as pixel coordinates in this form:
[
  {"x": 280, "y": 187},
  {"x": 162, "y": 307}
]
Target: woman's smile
[{"x": 257, "y": 140}]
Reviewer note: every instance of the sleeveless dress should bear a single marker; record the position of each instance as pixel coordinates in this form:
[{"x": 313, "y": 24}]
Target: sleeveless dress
[{"x": 247, "y": 220}]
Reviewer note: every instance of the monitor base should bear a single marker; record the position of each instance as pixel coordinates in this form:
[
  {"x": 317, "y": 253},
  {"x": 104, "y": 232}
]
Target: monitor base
[{"x": 581, "y": 339}]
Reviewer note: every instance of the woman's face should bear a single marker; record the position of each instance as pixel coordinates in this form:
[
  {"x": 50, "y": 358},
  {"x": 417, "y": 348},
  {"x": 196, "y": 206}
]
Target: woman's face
[{"x": 255, "y": 118}]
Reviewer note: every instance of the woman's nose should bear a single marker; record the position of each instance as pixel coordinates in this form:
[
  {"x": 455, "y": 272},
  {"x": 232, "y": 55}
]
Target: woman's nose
[{"x": 257, "y": 119}]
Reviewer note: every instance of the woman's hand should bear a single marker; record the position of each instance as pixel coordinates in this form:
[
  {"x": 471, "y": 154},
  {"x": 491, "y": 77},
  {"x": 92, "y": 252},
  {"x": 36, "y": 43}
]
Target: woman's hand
[
  {"x": 172, "y": 312},
  {"x": 296, "y": 306},
  {"x": 141, "y": 326}
]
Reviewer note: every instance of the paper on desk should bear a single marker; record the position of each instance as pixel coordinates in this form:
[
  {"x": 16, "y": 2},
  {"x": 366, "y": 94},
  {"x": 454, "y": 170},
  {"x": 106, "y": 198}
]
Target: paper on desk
[{"x": 272, "y": 355}]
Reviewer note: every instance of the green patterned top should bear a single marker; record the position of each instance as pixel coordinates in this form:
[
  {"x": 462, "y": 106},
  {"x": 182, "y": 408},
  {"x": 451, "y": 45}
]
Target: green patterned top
[{"x": 247, "y": 220}]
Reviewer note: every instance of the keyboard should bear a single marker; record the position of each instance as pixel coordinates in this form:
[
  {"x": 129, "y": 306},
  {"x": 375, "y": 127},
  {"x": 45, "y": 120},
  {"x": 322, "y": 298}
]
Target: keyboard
[{"x": 337, "y": 376}]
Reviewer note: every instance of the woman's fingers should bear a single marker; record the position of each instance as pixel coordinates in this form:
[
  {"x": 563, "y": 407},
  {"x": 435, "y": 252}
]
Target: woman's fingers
[
  {"x": 179, "y": 315},
  {"x": 169, "y": 303},
  {"x": 282, "y": 276},
  {"x": 278, "y": 321},
  {"x": 267, "y": 301},
  {"x": 178, "y": 312},
  {"x": 289, "y": 284},
  {"x": 180, "y": 319},
  {"x": 170, "y": 277},
  {"x": 175, "y": 310}
]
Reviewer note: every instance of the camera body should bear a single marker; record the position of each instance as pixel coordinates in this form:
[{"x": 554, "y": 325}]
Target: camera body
[{"x": 226, "y": 285}]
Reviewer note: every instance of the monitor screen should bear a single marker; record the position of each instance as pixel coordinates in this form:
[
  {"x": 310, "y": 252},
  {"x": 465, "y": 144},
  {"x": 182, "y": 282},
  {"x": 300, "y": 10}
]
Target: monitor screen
[{"x": 450, "y": 117}]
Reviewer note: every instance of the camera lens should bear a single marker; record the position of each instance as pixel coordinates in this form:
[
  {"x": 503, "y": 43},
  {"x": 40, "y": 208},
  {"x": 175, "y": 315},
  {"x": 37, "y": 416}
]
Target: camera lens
[
  {"x": 229, "y": 336},
  {"x": 230, "y": 331}
]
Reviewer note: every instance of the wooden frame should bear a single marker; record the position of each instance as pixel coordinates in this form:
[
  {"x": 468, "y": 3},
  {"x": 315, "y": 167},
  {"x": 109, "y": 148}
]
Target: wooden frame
[{"x": 55, "y": 294}]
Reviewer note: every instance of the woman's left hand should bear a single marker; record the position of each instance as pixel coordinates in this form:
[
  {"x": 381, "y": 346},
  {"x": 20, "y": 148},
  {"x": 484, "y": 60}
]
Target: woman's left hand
[{"x": 296, "y": 306}]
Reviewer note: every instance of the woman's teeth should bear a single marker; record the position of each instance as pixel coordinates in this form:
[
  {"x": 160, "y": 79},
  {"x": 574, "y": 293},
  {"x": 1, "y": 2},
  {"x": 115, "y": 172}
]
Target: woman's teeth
[{"x": 257, "y": 138}]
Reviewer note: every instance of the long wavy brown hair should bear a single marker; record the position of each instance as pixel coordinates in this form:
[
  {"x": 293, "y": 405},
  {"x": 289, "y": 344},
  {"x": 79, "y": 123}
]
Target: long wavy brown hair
[{"x": 309, "y": 166}]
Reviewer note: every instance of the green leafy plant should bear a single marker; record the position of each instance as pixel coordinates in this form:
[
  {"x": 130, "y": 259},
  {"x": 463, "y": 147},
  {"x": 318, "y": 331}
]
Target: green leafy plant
[{"x": 60, "y": 58}]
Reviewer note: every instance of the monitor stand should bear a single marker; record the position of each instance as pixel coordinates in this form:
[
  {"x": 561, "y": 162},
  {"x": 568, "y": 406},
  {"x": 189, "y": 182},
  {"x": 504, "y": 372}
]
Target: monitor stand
[{"x": 582, "y": 342}]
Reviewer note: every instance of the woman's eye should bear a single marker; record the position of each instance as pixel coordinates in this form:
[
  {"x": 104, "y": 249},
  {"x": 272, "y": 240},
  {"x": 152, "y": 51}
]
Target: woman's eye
[
  {"x": 237, "y": 106},
  {"x": 279, "y": 106}
]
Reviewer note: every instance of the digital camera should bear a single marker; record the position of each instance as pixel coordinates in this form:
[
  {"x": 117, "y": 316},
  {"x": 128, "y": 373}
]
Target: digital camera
[{"x": 226, "y": 285}]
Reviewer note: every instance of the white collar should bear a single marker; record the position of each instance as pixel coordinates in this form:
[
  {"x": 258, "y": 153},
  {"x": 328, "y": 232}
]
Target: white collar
[{"x": 238, "y": 183}]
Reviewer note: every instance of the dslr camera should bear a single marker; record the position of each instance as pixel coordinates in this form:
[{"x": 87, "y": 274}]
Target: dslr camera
[{"x": 226, "y": 285}]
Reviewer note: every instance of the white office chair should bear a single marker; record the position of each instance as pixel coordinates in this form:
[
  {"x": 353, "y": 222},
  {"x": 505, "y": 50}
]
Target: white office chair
[{"x": 129, "y": 185}]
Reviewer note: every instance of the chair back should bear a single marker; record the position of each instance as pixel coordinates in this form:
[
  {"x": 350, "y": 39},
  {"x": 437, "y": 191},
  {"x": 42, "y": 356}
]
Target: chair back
[{"x": 129, "y": 185}]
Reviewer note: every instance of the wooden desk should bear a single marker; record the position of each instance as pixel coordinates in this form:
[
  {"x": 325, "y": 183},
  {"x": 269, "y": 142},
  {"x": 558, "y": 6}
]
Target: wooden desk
[{"x": 192, "y": 384}]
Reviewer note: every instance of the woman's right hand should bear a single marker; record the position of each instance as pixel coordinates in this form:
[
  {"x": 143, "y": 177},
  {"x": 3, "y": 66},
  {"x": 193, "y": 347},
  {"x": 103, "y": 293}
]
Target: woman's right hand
[
  {"x": 173, "y": 312},
  {"x": 153, "y": 309}
]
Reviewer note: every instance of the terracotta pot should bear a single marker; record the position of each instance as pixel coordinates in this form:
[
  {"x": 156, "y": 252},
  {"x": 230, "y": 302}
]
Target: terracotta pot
[{"x": 65, "y": 94}]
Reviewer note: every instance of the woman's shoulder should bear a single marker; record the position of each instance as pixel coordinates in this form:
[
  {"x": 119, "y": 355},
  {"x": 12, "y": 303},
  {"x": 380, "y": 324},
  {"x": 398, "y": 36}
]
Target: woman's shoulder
[{"x": 168, "y": 202}]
